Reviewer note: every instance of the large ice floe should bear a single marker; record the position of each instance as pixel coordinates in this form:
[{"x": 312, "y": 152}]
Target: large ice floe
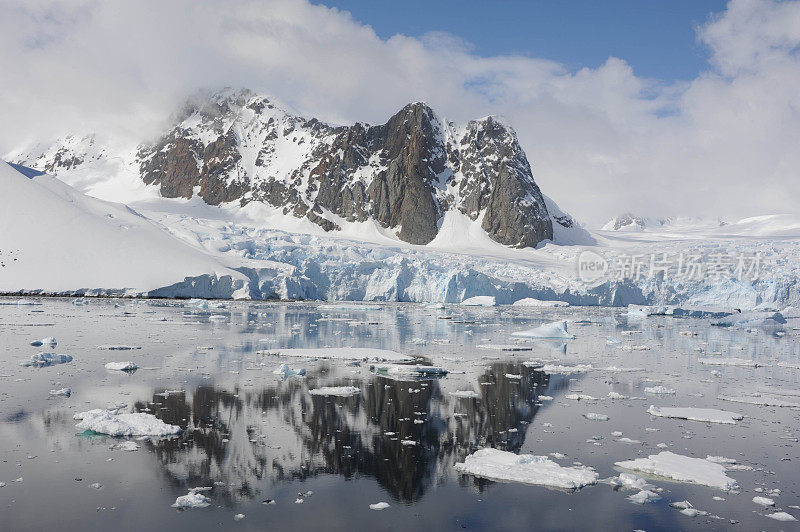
[
  {"x": 193, "y": 499},
  {"x": 682, "y": 468},
  {"x": 115, "y": 424},
  {"x": 710, "y": 415},
  {"x": 504, "y": 466}
]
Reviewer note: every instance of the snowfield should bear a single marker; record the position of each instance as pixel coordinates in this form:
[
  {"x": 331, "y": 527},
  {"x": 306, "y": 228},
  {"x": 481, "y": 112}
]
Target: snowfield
[{"x": 185, "y": 248}]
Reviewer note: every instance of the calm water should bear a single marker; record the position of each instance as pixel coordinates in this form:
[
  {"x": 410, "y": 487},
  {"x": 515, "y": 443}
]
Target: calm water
[{"x": 259, "y": 437}]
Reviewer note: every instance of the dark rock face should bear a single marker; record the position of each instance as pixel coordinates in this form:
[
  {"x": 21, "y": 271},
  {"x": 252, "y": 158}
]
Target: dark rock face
[{"x": 405, "y": 175}]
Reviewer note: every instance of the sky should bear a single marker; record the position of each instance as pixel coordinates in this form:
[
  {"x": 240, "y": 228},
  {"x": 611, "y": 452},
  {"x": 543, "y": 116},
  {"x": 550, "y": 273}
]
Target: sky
[
  {"x": 657, "y": 38},
  {"x": 672, "y": 108}
]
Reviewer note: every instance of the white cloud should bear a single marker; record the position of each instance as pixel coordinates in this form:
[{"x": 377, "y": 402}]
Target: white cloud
[{"x": 601, "y": 140}]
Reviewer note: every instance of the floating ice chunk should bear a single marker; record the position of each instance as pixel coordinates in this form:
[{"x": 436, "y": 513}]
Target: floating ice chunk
[
  {"x": 46, "y": 359},
  {"x": 344, "y": 353},
  {"x": 49, "y": 341},
  {"x": 644, "y": 496},
  {"x": 122, "y": 366},
  {"x": 338, "y": 391},
  {"x": 506, "y": 347},
  {"x": 722, "y": 361},
  {"x": 579, "y": 397},
  {"x": 630, "y": 441},
  {"x": 615, "y": 395},
  {"x": 566, "y": 370},
  {"x": 480, "y": 301},
  {"x": 710, "y": 415},
  {"x": 782, "y": 516},
  {"x": 410, "y": 370},
  {"x": 556, "y": 329},
  {"x": 611, "y": 341},
  {"x": 683, "y": 469},
  {"x": 494, "y": 464},
  {"x": 763, "y": 501},
  {"x": 22, "y": 302},
  {"x": 596, "y": 417},
  {"x": 617, "y": 369},
  {"x": 63, "y": 392},
  {"x": 544, "y": 398},
  {"x": 135, "y": 424},
  {"x": 531, "y": 302},
  {"x": 238, "y": 517},
  {"x": 286, "y": 371},
  {"x": 466, "y": 394},
  {"x": 760, "y": 401},
  {"x": 119, "y": 347},
  {"x": 720, "y": 460},
  {"x": 194, "y": 499},
  {"x": 659, "y": 390},
  {"x": 629, "y": 481},
  {"x": 379, "y": 505}
]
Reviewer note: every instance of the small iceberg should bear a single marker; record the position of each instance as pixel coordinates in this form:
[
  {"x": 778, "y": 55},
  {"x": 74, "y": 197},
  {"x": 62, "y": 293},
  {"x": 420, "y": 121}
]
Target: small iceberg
[
  {"x": 193, "y": 499},
  {"x": 46, "y": 359},
  {"x": 63, "y": 392},
  {"x": 285, "y": 371},
  {"x": 49, "y": 341},
  {"x": 556, "y": 329},
  {"x": 479, "y": 301}
]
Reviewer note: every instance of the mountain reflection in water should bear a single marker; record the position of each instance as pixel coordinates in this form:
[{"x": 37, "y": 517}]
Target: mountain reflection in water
[{"x": 407, "y": 434}]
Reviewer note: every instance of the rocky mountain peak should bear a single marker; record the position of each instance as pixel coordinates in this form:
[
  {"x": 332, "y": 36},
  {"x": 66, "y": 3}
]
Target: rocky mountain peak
[{"x": 405, "y": 174}]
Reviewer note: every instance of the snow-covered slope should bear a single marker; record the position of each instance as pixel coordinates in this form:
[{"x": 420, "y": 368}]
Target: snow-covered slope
[{"x": 54, "y": 239}]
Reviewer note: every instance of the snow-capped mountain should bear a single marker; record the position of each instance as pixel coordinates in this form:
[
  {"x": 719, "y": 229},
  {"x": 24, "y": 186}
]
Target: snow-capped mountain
[
  {"x": 406, "y": 174},
  {"x": 631, "y": 222}
]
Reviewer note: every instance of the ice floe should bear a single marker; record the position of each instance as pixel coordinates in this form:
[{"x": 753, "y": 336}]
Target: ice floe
[
  {"x": 122, "y": 366},
  {"x": 63, "y": 392},
  {"x": 338, "y": 391},
  {"x": 133, "y": 424},
  {"x": 710, "y": 415},
  {"x": 494, "y": 464},
  {"x": 285, "y": 371},
  {"x": 379, "y": 506},
  {"x": 760, "y": 401},
  {"x": 532, "y": 302},
  {"x": 659, "y": 390},
  {"x": 722, "y": 361},
  {"x": 682, "y": 469},
  {"x": 782, "y": 516}
]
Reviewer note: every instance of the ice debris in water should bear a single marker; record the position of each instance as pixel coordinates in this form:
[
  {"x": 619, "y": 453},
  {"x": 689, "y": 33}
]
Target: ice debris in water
[
  {"x": 119, "y": 347},
  {"x": 379, "y": 505},
  {"x": 596, "y": 417},
  {"x": 722, "y": 361},
  {"x": 494, "y": 464},
  {"x": 409, "y": 370},
  {"x": 113, "y": 424},
  {"x": 683, "y": 469},
  {"x": 342, "y": 353},
  {"x": 556, "y": 329},
  {"x": 64, "y": 392},
  {"x": 193, "y": 499},
  {"x": 644, "y": 496},
  {"x": 46, "y": 359},
  {"x": 338, "y": 391},
  {"x": 45, "y": 341},
  {"x": 129, "y": 446},
  {"x": 122, "y": 366},
  {"x": 710, "y": 415}
]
